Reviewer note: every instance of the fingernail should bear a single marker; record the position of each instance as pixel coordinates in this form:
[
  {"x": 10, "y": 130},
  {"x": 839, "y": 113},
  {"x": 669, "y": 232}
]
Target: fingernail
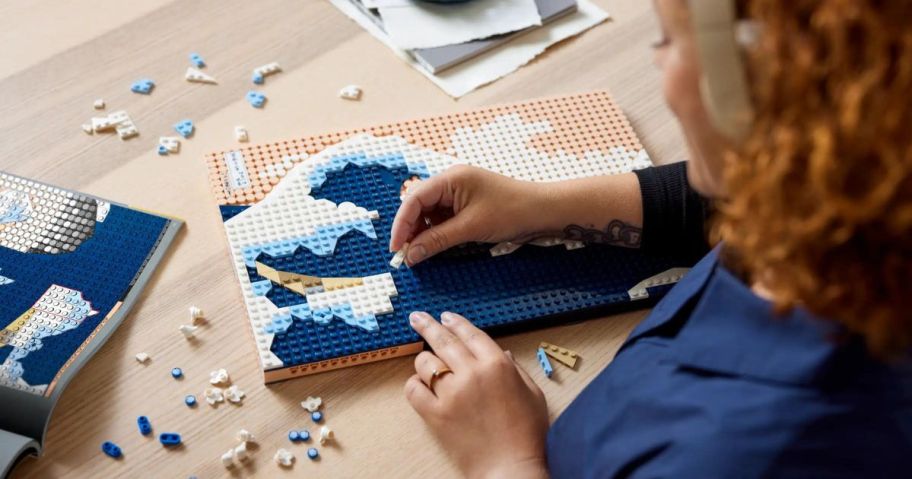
[
  {"x": 509, "y": 354},
  {"x": 417, "y": 319},
  {"x": 416, "y": 253},
  {"x": 446, "y": 317}
]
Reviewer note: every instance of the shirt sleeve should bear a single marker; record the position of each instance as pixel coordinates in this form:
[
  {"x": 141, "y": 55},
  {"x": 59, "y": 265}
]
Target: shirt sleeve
[{"x": 675, "y": 216}]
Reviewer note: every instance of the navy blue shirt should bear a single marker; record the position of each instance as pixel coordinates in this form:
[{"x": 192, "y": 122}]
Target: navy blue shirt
[{"x": 714, "y": 384}]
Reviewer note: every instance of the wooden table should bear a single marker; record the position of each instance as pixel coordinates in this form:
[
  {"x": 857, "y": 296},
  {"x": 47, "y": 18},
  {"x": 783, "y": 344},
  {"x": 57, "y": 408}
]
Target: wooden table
[{"x": 59, "y": 56}]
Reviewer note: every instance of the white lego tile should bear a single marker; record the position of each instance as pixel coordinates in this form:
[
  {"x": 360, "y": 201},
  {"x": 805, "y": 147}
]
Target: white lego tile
[
  {"x": 268, "y": 69},
  {"x": 188, "y": 331},
  {"x": 99, "y": 104},
  {"x": 196, "y": 76},
  {"x": 241, "y": 135},
  {"x": 350, "y": 92}
]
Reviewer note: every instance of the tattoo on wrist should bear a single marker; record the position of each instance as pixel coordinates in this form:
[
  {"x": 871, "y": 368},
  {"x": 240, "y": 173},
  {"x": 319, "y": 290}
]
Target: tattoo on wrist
[{"x": 617, "y": 233}]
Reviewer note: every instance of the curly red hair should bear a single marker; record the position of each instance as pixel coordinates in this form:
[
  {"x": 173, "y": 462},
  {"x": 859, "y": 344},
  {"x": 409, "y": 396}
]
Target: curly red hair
[{"x": 820, "y": 203}]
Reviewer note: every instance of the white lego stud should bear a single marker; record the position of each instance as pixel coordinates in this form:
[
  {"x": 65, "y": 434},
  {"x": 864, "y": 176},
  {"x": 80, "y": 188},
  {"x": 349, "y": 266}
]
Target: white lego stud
[
  {"x": 196, "y": 76},
  {"x": 326, "y": 435},
  {"x": 228, "y": 458},
  {"x": 188, "y": 331},
  {"x": 312, "y": 404},
  {"x": 196, "y": 314},
  {"x": 171, "y": 143},
  {"x": 219, "y": 376},
  {"x": 234, "y": 394},
  {"x": 99, "y": 104},
  {"x": 101, "y": 123},
  {"x": 240, "y": 452},
  {"x": 350, "y": 92},
  {"x": 240, "y": 134},
  {"x": 267, "y": 69},
  {"x": 399, "y": 257},
  {"x": 284, "y": 458},
  {"x": 87, "y": 128},
  {"x": 142, "y": 358},
  {"x": 213, "y": 396},
  {"x": 373, "y": 214},
  {"x": 244, "y": 436}
]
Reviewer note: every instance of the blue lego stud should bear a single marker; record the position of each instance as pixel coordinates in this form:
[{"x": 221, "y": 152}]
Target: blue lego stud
[
  {"x": 145, "y": 427},
  {"x": 190, "y": 400},
  {"x": 143, "y": 86},
  {"x": 256, "y": 99},
  {"x": 169, "y": 439},
  {"x": 197, "y": 60},
  {"x": 162, "y": 150},
  {"x": 544, "y": 362},
  {"x": 257, "y": 78},
  {"x": 313, "y": 453},
  {"x": 176, "y": 373},
  {"x": 317, "y": 416},
  {"x": 185, "y": 128},
  {"x": 111, "y": 449},
  {"x": 298, "y": 436}
]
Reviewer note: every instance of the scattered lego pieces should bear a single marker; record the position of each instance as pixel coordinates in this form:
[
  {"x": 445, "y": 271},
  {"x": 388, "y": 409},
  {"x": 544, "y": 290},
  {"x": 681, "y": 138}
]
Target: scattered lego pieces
[
  {"x": 234, "y": 394},
  {"x": 118, "y": 121},
  {"x": 197, "y": 60},
  {"x": 284, "y": 457},
  {"x": 196, "y": 76},
  {"x": 312, "y": 404},
  {"x": 544, "y": 363},
  {"x": 99, "y": 104},
  {"x": 326, "y": 435},
  {"x": 219, "y": 376},
  {"x": 185, "y": 128},
  {"x": 260, "y": 73},
  {"x": 171, "y": 144},
  {"x": 111, "y": 449},
  {"x": 399, "y": 257},
  {"x": 142, "y": 358},
  {"x": 313, "y": 453},
  {"x": 169, "y": 439},
  {"x": 239, "y": 453},
  {"x": 298, "y": 436},
  {"x": 145, "y": 426},
  {"x": 213, "y": 396},
  {"x": 188, "y": 331},
  {"x": 190, "y": 400},
  {"x": 256, "y": 99},
  {"x": 177, "y": 373},
  {"x": 196, "y": 315},
  {"x": 350, "y": 92},
  {"x": 143, "y": 86},
  {"x": 240, "y": 134},
  {"x": 562, "y": 355},
  {"x": 317, "y": 416}
]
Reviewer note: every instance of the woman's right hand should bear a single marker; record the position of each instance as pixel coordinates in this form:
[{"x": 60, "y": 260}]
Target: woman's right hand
[{"x": 477, "y": 204}]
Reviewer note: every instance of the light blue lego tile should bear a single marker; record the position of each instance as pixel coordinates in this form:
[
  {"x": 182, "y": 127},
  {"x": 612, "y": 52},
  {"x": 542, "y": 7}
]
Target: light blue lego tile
[
  {"x": 339, "y": 162},
  {"x": 260, "y": 288},
  {"x": 345, "y": 313},
  {"x": 322, "y": 243},
  {"x": 279, "y": 324}
]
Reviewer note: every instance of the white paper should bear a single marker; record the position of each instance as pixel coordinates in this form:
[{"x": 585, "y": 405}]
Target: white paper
[
  {"x": 414, "y": 24},
  {"x": 499, "y": 62}
]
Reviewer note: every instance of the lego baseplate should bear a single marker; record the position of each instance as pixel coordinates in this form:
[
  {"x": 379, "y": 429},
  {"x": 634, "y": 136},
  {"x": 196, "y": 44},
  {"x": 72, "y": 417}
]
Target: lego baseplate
[{"x": 308, "y": 223}]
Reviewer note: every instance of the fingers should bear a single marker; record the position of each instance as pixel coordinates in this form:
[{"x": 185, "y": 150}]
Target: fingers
[
  {"x": 425, "y": 365},
  {"x": 480, "y": 344},
  {"x": 441, "y": 237},
  {"x": 419, "y": 396},
  {"x": 522, "y": 373},
  {"x": 445, "y": 344},
  {"x": 425, "y": 196}
]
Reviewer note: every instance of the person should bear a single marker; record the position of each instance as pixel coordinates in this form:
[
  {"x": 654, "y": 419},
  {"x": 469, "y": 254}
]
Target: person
[{"x": 785, "y": 351}]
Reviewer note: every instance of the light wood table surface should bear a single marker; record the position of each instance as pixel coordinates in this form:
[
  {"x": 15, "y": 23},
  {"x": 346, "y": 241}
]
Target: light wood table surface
[{"x": 58, "y": 56}]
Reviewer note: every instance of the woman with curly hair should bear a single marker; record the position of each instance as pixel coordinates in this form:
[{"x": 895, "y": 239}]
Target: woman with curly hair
[{"x": 785, "y": 351}]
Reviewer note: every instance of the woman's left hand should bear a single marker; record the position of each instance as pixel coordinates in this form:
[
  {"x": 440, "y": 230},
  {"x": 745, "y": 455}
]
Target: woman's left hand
[{"x": 487, "y": 413}]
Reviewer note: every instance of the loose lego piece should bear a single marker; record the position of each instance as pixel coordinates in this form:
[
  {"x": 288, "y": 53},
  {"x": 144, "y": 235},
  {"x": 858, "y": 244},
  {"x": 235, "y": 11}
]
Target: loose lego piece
[
  {"x": 284, "y": 457},
  {"x": 312, "y": 404},
  {"x": 240, "y": 452},
  {"x": 326, "y": 435},
  {"x": 234, "y": 394},
  {"x": 185, "y": 128},
  {"x": 244, "y": 435},
  {"x": 399, "y": 257},
  {"x": 196, "y": 315},
  {"x": 317, "y": 416},
  {"x": 197, "y": 60},
  {"x": 218, "y": 376},
  {"x": 169, "y": 439},
  {"x": 170, "y": 143},
  {"x": 260, "y": 73},
  {"x": 256, "y": 99},
  {"x": 177, "y": 373},
  {"x": 228, "y": 458},
  {"x": 111, "y": 449},
  {"x": 142, "y": 358},
  {"x": 162, "y": 150},
  {"x": 143, "y": 86},
  {"x": 350, "y": 92},
  {"x": 87, "y": 128},
  {"x": 313, "y": 453},
  {"x": 190, "y": 400},
  {"x": 99, "y": 104},
  {"x": 126, "y": 129},
  {"x": 188, "y": 331},
  {"x": 563, "y": 355},
  {"x": 544, "y": 362},
  {"x": 298, "y": 436},
  {"x": 240, "y": 134},
  {"x": 145, "y": 426},
  {"x": 196, "y": 76},
  {"x": 213, "y": 396}
]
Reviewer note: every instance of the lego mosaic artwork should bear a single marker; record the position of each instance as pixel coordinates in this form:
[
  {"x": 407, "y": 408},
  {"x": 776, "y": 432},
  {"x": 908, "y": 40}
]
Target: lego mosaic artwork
[
  {"x": 67, "y": 263},
  {"x": 308, "y": 223}
]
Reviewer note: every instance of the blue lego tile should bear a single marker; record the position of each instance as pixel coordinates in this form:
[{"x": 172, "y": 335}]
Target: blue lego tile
[
  {"x": 257, "y": 78},
  {"x": 197, "y": 60},
  {"x": 544, "y": 362},
  {"x": 145, "y": 426},
  {"x": 279, "y": 324},
  {"x": 143, "y": 86},
  {"x": 169, "y": 439},
  {"x": 111, "y": 449},
  {"x": 184, "y": 128},
  {"x": 256, "y": 99}
]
